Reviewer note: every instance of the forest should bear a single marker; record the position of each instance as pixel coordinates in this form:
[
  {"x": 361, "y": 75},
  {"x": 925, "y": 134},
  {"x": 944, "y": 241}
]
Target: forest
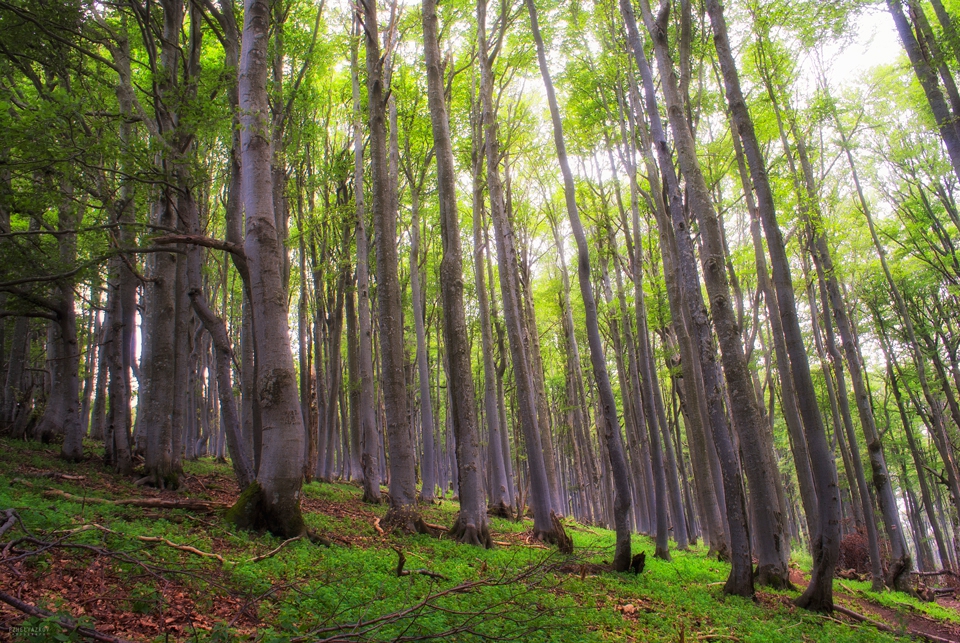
[{"x": 663, "y": 270}]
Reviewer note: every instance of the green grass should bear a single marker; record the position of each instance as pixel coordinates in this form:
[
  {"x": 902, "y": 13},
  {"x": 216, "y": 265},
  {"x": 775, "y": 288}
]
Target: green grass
[{"x": 308, "y": 588}]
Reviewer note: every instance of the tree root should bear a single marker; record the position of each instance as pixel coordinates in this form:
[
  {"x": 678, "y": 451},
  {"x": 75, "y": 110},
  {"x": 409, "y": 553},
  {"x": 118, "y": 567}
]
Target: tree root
[
  {"x": 9, "y": 522},
  {"x": 466, "y": 532},
  {"x": 251, "y": 512},
  {"x": 558, "y": 536},
  {"x": 501, "y": 510},
  {"x": 407, "y": 520}
]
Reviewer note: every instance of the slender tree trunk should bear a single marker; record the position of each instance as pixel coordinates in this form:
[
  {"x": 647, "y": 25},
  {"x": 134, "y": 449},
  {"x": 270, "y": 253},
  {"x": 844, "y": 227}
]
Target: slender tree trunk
[
  {"x": 370, "y": 454},
  {"x": 404, "y": 513},
  {"x": 826, "y": 537},
  {"x": 539, "y": 496},
  {"x": 946, "y": 124},
  {"x": 428, "y": 464},
  {"x": 501, "y": 496},
  {"x": 611, "y": 423},
  {"x": 471, "y": 525},
  {"x": 740, "y": 581}
]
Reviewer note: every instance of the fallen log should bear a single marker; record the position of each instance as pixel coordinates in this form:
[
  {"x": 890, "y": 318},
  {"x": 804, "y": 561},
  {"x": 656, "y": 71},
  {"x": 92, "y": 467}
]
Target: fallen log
[
  {"x": 883, "y": 627},
  {"x": 189, "y": 504}
]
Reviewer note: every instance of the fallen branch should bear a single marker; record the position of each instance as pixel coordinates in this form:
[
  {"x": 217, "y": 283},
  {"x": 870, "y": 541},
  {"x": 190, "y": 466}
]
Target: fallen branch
[
  {"x": 883, "y": 627},
  {"x": 186, "y": 548},
  {"x": 155, "y": 503},
  {"x": 155, "y": 539},
  {"x": 942, "y": 572},
  {"x": 439, "y": 528},
  {"x": 10, "y": 521},
  {"x": 56, "y": 475},
  {"x": 65, "y": 623},
  {"x": 406, "y": 572},
  {"x": 270, "y": 554}
]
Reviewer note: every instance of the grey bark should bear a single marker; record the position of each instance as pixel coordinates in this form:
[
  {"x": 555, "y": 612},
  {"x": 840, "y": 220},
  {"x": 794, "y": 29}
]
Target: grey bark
[
  {"x": 279, "y": 477},
  {"x": 611, "y": 423},
  {"x": 402, "y": 464},
  {"x": 471, "y": 525}
]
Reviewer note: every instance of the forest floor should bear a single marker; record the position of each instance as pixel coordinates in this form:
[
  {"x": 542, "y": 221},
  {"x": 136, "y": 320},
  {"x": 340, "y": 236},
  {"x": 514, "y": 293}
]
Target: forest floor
[{"x": 73, "y": 546}]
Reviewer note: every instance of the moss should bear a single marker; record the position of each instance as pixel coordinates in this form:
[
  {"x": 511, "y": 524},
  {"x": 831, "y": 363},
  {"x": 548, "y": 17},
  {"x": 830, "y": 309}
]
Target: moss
[
  {"x": 252, "y": 513},
  {"x": 246, "y": 509}
]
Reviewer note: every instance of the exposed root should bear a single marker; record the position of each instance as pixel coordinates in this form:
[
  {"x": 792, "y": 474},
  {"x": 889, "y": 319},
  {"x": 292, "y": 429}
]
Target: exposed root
[
  {"x": 563, "y": 539},
  {"x": 251, "y": 512},
  {"x": 771, "y": 576},
  {"x": 556, "y": 536},
  {"x": 501, "y": 510},
  {"x": 898, "y": 575},
  {"x": 463, "y": 531},
  {"x": 407, "y": 520}
]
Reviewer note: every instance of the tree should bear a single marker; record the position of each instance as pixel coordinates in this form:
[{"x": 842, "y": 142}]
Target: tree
[{"x": 273, "y": 500}]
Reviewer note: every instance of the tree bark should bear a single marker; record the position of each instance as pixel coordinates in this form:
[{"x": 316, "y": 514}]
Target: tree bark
[
  {"x": 273, "y": 501},
  {"x": 826, "y": 539},
  {"x": 611, "y": 423},
  {"x": 404, "y": 513}
]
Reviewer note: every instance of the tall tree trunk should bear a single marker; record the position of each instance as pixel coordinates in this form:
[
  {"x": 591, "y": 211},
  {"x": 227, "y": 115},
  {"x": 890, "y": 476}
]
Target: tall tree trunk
[
  {"x": 826, "y": 539},
  {"x": 500, "y": 491},
  {"x": 740, "y": 581},
  {"x": 682, "y": 292},
  {"x": 428, "y": 465},
  {"x": 370, "y": 454},
  {"x": 404, "y": 513},
  {"x": 273, "y": 502},
  {"x": 611, "y": 423},
  {"x": 946, "y": 121},
  {"x": 471, "y": 525},
  {"x": 539, "y": 495}
]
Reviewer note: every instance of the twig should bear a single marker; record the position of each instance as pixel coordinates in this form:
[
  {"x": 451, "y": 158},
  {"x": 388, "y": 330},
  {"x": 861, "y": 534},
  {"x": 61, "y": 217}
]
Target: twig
[
  {"x": 270, "y": 554},
  {"x": 66, "y": 623},
  {"x": 402, "y": 560}
]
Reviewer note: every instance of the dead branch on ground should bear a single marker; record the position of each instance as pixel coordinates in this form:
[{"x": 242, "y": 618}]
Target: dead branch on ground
[
  {"x": 273, "y": 552},
  {"x": 68, "y": 624}
]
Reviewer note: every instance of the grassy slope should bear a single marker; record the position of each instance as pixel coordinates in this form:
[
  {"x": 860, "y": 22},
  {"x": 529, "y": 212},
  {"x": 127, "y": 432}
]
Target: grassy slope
[{"x": 306, "y": 587}]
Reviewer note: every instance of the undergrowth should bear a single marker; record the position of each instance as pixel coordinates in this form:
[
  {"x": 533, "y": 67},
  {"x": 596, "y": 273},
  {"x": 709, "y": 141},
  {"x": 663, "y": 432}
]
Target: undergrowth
[{"x": 105, "y": 567}]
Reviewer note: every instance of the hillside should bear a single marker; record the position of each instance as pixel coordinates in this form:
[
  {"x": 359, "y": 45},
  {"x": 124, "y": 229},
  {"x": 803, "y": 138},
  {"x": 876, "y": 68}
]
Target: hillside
[{"x": 71, "y": 546}]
